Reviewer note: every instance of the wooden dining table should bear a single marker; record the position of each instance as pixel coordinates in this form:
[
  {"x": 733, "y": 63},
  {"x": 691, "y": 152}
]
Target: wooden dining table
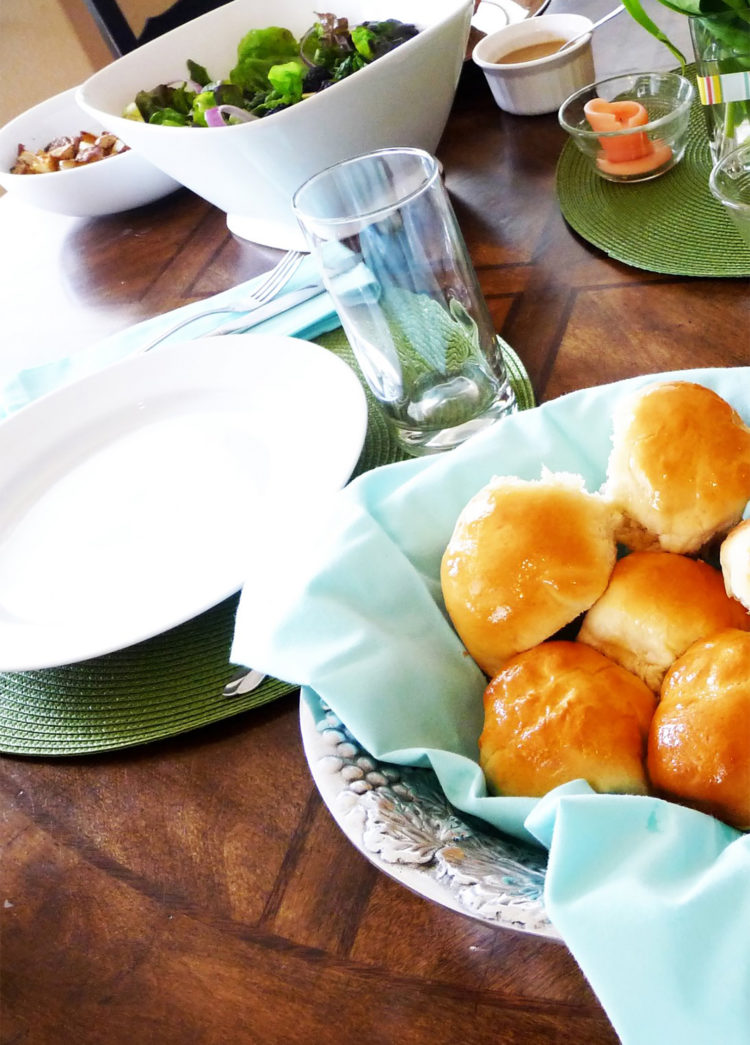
[{"x": 197, "y": 889}]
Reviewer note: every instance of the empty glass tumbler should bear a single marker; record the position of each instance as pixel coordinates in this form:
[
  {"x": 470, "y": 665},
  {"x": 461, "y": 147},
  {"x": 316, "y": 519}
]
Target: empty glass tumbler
[
  {"x": 730, "y": 184},
  {"x": 383, "y": 232}
]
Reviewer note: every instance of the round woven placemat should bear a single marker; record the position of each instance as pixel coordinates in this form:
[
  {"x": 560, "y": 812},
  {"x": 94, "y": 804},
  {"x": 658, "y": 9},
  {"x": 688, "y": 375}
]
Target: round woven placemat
[
  {"x": 167, "y": 685},
  {"x": 174, "y": 682},
  {"x": 671, "y": 225}
]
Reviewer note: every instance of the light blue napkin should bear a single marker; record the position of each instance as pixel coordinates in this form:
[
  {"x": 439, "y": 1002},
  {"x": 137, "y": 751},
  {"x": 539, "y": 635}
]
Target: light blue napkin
[
  {"x": 653, "y": 899},
  {"x": 308, "y": 320}
]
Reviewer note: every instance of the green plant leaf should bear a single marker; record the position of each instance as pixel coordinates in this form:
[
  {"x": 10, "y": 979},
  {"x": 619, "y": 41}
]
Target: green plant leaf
[
  {"x": 432, "y": 337},
  {"x": 635, "y": 10}
]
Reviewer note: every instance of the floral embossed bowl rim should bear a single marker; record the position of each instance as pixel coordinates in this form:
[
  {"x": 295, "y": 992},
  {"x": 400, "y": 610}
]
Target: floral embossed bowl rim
[{"x": 400, "y": 820}]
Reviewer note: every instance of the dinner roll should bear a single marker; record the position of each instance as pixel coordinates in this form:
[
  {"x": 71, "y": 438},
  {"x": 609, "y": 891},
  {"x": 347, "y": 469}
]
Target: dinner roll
[
  {"x": 525, "y": 559},
  {"x": 655, "y": 606},
  {"x": 699, "y": 742},
  {"x": 563, "y": 711},
  {"x": 679, "y": 467},
  {"x": 734, "y": 556}
]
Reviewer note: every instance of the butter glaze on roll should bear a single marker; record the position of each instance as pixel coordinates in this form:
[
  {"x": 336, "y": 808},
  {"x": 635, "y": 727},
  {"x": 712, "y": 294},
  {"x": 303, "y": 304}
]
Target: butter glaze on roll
[
  {"x": 655, "y": 606},
  {"x": 679, "y": 468},
  {"x": 562, "y": 711},
  {"x": 699, "y": 743},
  {"x": 525, "y": 559}
]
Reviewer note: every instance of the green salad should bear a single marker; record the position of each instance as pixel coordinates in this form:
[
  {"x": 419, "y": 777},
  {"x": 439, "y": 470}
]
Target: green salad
[{"x": 274, "y": 70}]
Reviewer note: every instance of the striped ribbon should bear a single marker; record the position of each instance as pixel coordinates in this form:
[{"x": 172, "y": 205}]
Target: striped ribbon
[{"x": 724, "y": 87}]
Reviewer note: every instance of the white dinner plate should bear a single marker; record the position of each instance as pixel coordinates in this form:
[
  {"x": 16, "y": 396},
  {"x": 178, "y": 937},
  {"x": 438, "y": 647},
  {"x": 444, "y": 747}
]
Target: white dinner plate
[{"x": 128, "y": 498}]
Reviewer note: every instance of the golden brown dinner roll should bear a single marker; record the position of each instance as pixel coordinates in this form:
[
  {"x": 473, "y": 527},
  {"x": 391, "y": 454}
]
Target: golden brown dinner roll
[
  {"x": 562, "y": 711},
  {"x": 734, "y": 556},
  {"x": 679, "y": 467},
  {"x": 525, "y": 559},
  {"x": 699, "y": 742},
  {"x": 655, "y": 606}
]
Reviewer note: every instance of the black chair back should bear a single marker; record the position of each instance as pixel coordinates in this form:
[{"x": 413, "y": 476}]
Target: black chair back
[{"x": 118, "y": 33}]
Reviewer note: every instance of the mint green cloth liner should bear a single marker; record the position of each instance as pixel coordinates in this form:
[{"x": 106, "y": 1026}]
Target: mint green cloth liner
[
  {"x": 652, "y": 899},
  {"x": 173, "y": 682},
  {"x": 671, "y": 225}
]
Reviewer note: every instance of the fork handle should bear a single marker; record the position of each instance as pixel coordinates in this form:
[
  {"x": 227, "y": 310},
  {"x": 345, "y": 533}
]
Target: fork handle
[
  {"x": 274, "y": 307},
  {"x": 250, "y": 316},
  {"x": 191, "y": 319}
]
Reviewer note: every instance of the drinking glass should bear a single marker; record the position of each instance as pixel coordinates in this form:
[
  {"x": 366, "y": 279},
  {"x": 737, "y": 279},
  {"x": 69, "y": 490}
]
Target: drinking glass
[
  {"x": 384, "y": 235},
  {"x": 729, "y": 183}
]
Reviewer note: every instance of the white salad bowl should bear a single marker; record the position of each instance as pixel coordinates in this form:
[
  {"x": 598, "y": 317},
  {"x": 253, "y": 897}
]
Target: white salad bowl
[
  {"x": 252, "y": 170},
  {"x": 108, "y": 186}
]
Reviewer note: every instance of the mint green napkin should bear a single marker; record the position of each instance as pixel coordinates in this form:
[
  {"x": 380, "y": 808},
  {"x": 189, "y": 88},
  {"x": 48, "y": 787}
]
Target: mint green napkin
[
  {"x": 653, "y": 899},
  {"x": 308, "y": 320}
]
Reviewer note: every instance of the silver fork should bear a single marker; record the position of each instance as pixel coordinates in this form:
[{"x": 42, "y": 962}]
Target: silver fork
[
  {"x": 244, "y": 681},
  {"x": 275, "y": 281}
]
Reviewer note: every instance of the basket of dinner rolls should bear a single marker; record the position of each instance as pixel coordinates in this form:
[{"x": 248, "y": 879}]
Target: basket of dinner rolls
[{"x": 613, "y": 625}]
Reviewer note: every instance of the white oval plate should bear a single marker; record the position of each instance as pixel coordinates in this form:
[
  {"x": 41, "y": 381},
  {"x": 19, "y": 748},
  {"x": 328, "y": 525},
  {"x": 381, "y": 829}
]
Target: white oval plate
[{"x": 127, "y": 498}]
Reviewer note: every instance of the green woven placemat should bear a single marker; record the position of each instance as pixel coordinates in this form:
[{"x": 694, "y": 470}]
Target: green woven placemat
[
  {"x": 671, "y": 225},
  {"x": 173, "y": 682}
]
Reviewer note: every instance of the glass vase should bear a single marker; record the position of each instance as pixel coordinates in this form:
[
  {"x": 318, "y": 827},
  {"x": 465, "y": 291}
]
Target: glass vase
[{"x": 721, "y": 45}]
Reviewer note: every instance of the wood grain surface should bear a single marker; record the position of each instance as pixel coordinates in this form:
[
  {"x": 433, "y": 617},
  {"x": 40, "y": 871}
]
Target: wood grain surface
[{"x": 197, "y": 891}]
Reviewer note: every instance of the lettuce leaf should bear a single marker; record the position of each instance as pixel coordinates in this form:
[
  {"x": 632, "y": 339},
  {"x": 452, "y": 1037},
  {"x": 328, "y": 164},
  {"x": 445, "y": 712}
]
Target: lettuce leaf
[
  {"x": 374, "y": 39},
  {"x": 198, "y": 73},
  {"x": 173, "y": 100},
  {"x": 286, "y": 81},
  {"x": 327, "y": 43},
  {"x": 273, "y": 70},
  {"x": 258, "y": 52}
]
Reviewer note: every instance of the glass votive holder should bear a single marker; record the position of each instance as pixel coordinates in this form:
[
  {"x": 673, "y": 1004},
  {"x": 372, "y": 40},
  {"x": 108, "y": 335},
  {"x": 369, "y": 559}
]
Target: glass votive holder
[
  {"x": 729, "y": 183},
  {"x": 630, "y": 128}
]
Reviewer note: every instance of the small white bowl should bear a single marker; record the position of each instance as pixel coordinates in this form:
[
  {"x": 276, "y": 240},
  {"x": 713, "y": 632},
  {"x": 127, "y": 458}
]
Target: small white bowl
[
  {"x": 542, "y": 85},
  {"x": 108, "y": 186}
]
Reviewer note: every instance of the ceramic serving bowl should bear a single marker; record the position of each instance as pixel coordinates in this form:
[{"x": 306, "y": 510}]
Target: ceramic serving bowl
[
  {"x": 251, "y": 170},
  {"x": 530, "y": 88},
  {"x": 640, "y": 124},
  {"x": 108, "y": 186}
]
